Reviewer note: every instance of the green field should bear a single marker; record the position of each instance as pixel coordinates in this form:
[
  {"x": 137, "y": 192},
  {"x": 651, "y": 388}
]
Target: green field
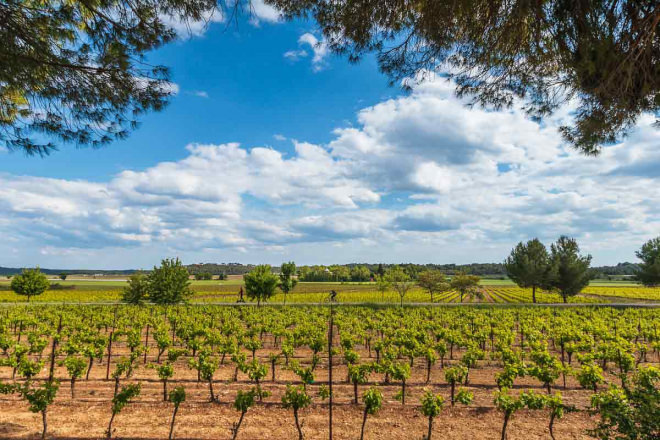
[{"x": 493, "y": 291}]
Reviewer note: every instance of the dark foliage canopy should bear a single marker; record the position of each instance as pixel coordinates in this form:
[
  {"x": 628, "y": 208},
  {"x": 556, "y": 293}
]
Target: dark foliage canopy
[
  {"x": 75, "y": 71},
  {"x": 604, "y": 54},
  {"x": 169, "y": 283},
  {"x": 569, "y": 271},
  {"x": 649, "y": 268},
  {"x": 528, "y": 264}
]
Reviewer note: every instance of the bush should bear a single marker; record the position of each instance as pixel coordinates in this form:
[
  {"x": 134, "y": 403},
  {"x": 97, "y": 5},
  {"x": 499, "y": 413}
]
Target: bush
[
  {"x": 58, "y": 286},
  {"x": 122, "y": 399},
  {"x": 137, "y": 290},
  {"x": 30, "y": 282},
  {"x": 244, "y": 401},
  {"x": 631, "y": 412},
  {"x": 260, "y": 283},
  {"x": 169, "y": 283}
]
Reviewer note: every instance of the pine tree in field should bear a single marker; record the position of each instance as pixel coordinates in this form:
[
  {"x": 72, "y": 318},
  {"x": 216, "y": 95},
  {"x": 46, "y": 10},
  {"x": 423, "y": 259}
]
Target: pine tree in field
[
  {"x": 649, "y": 268},
  {"x": 569, "y": 271},
  {"x": 528, "y": 265}
]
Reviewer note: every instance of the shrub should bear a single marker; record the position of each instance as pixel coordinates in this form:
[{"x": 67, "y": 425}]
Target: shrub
[
  {"x": 631, "y": 412},
  {"x": 260, "y": 283},
  {"x": 169, "y": 283},
  {"x": 137, "y": 290},
  {"x": 31, "y": 282},
  {"x": 38, "y": 398},
  {"x": 75, "y": 366},
  {"x": 244, "y": 401}
]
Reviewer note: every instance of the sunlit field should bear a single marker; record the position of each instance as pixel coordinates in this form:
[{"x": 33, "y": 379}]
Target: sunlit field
[{"x": 492, "y": 292}]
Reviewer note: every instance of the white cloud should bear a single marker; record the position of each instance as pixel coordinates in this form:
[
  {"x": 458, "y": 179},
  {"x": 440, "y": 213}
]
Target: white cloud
[
  {"x": 200, "y": 94},
  {"x": 420, "y": 178},
  {"x": 169, "y": 87},
  {"x": 186, "y": 28},
  {"x": 295, "y": 55},
  {"x": 318, "y": 47},
  {"x": 263, "y": 12}
]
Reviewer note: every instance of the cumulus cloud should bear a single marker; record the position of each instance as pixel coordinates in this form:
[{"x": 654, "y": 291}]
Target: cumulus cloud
[
  {"x": 197, "y": 201},
  {"x": 418, "y": 175}
]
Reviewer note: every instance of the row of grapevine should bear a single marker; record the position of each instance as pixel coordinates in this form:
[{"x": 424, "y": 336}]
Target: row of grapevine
[{"x": 557, "y": 358}]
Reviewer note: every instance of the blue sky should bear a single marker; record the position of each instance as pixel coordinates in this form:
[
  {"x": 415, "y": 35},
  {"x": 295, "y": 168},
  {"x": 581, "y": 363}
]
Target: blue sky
[
  {"x": 273, "y": 149},
  {"x": 250, "y": 92}
]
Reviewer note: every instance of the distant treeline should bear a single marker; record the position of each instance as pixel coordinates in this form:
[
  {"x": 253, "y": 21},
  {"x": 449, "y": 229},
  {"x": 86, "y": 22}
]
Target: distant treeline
[
  {"x": 619, "y": 269},
  {"x": 12, "y": 270},
  {"x": 222, "y": 268},
  {"x": 341, "y": 272},
  {"x": 193, "y": 269}
]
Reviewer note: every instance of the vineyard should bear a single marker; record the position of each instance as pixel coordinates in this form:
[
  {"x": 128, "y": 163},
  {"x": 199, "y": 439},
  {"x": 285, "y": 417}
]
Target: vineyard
[
  {"x": 227, "y": 292},
  {"x": 252, "y": 365}
]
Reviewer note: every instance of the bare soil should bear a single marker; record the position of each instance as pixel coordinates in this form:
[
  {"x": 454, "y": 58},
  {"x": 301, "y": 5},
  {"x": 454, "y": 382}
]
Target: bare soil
[
  {"x": 148, "y": 417},
  {"x": 87, "y": 416}
]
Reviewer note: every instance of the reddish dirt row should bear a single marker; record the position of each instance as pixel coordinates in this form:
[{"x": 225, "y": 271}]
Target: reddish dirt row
[
  {"x": 81, "y": 420},
  {"x": 148, "y": 418},
  {"x": 87, "y": 416}
]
